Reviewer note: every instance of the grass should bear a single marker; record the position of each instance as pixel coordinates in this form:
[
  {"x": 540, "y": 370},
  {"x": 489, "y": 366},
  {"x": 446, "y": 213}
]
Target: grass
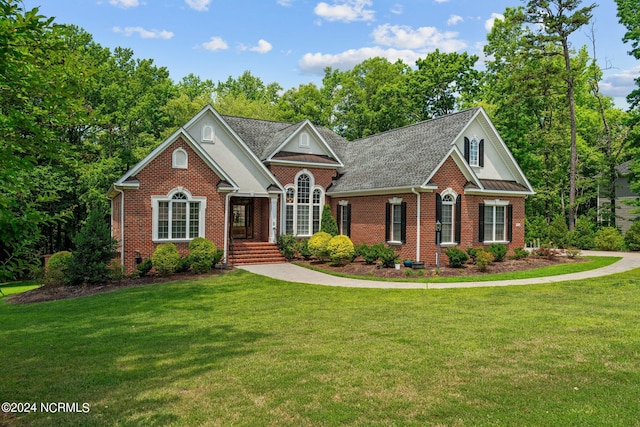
[
  {"x": 243, "y": 349},
  {"x": 553, "y": 270},
  {"x": 16, "y": 287}
]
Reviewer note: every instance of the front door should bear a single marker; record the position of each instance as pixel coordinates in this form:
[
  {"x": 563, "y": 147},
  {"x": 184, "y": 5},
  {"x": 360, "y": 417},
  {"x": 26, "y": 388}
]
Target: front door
[{"x": 242, "y": 225}]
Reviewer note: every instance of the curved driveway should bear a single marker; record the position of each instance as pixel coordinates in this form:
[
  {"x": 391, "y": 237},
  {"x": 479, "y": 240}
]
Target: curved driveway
[{"x": 293, "y": 273}]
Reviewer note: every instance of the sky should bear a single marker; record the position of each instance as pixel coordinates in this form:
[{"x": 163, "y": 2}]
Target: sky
[{"x": 290, "y": 42}]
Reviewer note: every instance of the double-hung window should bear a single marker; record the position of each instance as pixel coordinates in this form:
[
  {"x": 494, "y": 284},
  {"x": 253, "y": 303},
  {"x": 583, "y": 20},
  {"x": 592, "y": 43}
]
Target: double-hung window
[
  {"x": 495, "y": 222},
  {"x": 396, "y": 221},
  {"x": 303, "y": 207},
  {"x": 448, "y": 204},
  {"x": 178, "y": 216}
]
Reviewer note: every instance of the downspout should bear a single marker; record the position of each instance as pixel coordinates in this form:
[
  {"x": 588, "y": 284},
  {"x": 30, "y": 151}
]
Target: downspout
[
  {"x": 413, "y": 190},
  {"x": 121, "y": 223},
  {"x": 226, "y": 226}
]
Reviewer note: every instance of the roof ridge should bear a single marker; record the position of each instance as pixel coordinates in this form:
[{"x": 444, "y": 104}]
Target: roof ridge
[{"x": 261, "y": 120}]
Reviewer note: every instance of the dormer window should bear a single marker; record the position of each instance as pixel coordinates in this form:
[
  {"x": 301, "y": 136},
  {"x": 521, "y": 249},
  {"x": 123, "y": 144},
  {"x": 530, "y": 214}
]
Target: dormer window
[
  {"x": 474, "y": 151},
  {"x": 208, "y": 133},
  {"x": 303, "y": 141},
  {"x": 180, "y": 159}
]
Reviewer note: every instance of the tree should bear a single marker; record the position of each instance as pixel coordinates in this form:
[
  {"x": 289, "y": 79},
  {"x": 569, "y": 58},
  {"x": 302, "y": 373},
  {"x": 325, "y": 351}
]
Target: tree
[
  {"x": 328, "y": 223},
  {"x": 556, "y": 24},
  {"x": 629, "y": 15}
]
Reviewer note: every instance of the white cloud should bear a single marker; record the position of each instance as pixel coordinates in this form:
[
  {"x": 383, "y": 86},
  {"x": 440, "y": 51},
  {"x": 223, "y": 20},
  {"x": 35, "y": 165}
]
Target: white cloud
[
  {"x": 620, "y": 84},
  {"x": 488, "y": 24},
  {"x": 441, "y": 1},
  {"x": 215, "y": 43},
  {"x": 199, "y": 5},
  {"x": 402, "y": 36},
  {"x": 145, "y": 34},
  {"x": 454, "y": 19},
  {"x": 284, "y": 2},
  {"x": 124, "y": 3},
  {"x": 345, "y": 10},
  {"x": 315, "y": 63},
  {"x": 397, "y": 9},
  {"x": 262, "y": 47}
]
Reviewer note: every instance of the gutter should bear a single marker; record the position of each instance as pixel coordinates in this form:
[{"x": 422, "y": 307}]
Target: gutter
[
  {"x": 413, "y": 190},
  {"x": 118, "y": 190}
]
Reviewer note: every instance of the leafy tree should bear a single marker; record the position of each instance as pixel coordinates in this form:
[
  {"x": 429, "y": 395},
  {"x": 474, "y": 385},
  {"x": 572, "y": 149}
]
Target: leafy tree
[
  {"x": 629, "y": 15},
  {"x": 328, "y": 223}
]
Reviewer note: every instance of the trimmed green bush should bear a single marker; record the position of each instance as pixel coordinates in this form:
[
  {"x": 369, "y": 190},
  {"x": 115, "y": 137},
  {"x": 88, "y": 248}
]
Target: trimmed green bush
[
  {"x": 340, "y": 249},
  {"x": 609, "y": 239},
  {"x": 302, "y": 247},
  {"x": 145, "y": 267},
  {"x": 318, "y": 245},
  {"x": 328, "y": 223},
  {"x": 184, "y": 264},
  {"x": 201, "y": 254},
  {"x": 483, "y": 259},
  {"x": 165, "y": 259},
  {"x": 388, "y": 257},
  {"x": 57, "y": 269},
  {"x": 370, "y": 254},
  {"x": 632, "y": 237},
  {"x": 457, "y": 257},
  {"x": 217, "y": 257},
  {"x": 286, "y": 243},
  {"x": 498, "y": 250},
  {"x": 473, "y": 253},
  {"x": 519, "y": 253}
]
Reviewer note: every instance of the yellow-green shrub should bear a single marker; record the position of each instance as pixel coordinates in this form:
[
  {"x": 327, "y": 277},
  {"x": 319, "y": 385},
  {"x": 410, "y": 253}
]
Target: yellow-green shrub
[
  {"x": 165, "y": 259},
  {"x": 340, "y": 249},
  {"x": 57, "y": 266},
  {"x": 318, "y": 245},
  {"x": 201, "y": 254}
]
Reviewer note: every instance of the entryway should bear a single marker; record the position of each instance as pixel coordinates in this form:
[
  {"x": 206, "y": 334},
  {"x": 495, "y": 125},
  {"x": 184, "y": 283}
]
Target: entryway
[{"x": 242, "y": 218}]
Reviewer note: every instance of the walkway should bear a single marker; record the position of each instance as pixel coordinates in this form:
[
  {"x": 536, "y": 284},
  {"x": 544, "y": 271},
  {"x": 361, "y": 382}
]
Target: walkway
[{"x": 293, "y": 273}]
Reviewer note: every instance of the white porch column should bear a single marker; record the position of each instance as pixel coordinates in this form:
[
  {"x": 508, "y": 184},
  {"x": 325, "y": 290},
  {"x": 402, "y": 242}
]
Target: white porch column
[{"x": 273, "y": 217}]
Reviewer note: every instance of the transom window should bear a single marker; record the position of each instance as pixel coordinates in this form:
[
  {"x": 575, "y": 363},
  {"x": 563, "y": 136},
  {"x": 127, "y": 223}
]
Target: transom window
[
  {"x": 303, "y": 206},
  {"x": 179, "y": 217}
]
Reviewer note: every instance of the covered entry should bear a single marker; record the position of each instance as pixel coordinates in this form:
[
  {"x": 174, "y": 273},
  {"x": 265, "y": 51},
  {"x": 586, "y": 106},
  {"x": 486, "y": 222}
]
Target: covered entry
[{"x": 242, "y": 218}]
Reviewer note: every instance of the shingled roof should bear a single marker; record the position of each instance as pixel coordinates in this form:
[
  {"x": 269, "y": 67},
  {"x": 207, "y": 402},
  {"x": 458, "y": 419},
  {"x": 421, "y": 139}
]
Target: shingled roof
[{"x": 399, "y": 158}]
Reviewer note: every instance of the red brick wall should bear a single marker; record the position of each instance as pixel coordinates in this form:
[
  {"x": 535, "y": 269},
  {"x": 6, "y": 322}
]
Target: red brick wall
[
  {"x": 368, "y": 217},
  {"x": 287, "y": 174},
  {"x": 158, "y": 178}
]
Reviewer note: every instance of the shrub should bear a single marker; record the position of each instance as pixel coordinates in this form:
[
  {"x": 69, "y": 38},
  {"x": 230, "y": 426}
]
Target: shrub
[
  {"x": 388, "y": 257},
  {"x": 201, "y": 255},
  {"x": 572, "y": 252},
  {"x": 483, "y": 259},
  {"x": 558, "y": 232},
  {"x": 340, "y": 249},
  {"x": 165, "y": 259},
  {"x": 519, "y": 253},
  {"x": 370, "y": 254},
  {"x": 545, "y": 251},
  {"x": 302, "y": 247},
  {"x": 318, "y": 245},
  {"x": 328, "y": 223},
  {"x": 286, "y": 244},
  {"x": 473, "y": 253},
  {"x": 57, "y": 269},
  {"x": 608, "y": 239},
  {"x": 632, "y": 237},
  {"x": 145, "y": 267},
  {"x": 536, "y": 228},
  {"x": 498, "y": 250},
  {"x": 582, "y": 237},
  {"x": 457, "y": 257},
  {"x": 217, "y": 257},
  {"x": 184, "y": 263},
  {"x": 95, "y": 248},
  {"x": 116, "y": 270}
]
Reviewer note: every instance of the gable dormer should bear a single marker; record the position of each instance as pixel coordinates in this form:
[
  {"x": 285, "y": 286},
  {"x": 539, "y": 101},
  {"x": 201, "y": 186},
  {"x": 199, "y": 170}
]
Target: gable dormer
[{"x": 305, "y": 147}]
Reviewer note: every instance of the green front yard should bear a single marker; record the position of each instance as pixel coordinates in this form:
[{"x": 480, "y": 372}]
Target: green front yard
[{"x": 242, "y": 349}]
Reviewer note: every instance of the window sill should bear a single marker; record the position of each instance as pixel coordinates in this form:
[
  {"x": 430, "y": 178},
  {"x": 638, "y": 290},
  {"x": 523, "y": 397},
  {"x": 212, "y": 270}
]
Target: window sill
[
  {"x": 448, "y": 244},
  {"x": 489, "y": 242},
  {"x": 172, "y": 240},
  {"x": 394, "y": 243}
]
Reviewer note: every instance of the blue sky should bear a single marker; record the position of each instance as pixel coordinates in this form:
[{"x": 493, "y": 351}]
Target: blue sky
[{"x": 291, "y": 41}]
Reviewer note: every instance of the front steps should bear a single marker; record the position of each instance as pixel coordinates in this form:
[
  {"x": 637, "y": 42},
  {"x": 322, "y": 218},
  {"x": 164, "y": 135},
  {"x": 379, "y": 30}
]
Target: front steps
[{"x": 244, "y": 253}]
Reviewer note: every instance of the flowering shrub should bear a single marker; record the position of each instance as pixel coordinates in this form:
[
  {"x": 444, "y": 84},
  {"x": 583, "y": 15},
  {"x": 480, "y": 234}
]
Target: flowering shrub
[{"x": 340, "y": 249}]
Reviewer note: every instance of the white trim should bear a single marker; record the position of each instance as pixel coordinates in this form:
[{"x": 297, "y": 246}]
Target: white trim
[
  {"x": 418, "y": 221},
  {"x": 395, "y": 201},
  {"x": 462, "y": 164},
  {"x": 174, "y": 159},
  {"x": 312, "y": 188},
  {"x": 304, "y": 140},
  {"x": 303, "y": 164},
  {"x": 206, "y": 138},
  {"x": 155, "y": 201},
  {"x": 307, "y": 123}
]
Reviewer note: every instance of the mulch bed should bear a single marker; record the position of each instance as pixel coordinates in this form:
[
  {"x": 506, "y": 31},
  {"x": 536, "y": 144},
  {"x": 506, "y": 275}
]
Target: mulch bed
[
  {"x": 359, "y": 268},
  {"x": 63, "y": 292}
]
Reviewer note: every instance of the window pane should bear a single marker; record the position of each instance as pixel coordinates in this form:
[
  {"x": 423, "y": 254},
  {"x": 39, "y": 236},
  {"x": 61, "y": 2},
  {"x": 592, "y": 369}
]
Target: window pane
[
  {"x": 500, "y": 211},
  {"x": 194, "y": 219},
  {"x": 163, "y": 220},
  {"x": 447, "y": 223},
  {"x": 488, "y": 223},
  {"x": 396, "y": 234},
  {"x": 303, "y": 220},
  {"x": 288, "y": 227},
  {"x": 473, "y": 153},
  {"x": 303, "y": 189},
  {"x": 179, "y": 220},
  {"x": 344, "y": 219},
  {"x": 316, "y": 218}
]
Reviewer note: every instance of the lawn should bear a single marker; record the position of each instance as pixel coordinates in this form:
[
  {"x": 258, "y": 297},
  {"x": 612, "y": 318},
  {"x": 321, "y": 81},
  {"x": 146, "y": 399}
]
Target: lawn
[
  {"x": 242, "y": 349},
  {"x": 16, "y": 287}
]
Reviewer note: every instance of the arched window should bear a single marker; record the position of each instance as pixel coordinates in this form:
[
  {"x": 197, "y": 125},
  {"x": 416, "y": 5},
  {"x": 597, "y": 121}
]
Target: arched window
[
  {"x": 303, "y": 206},
  {"x": 474, "y": 152},
  {"x": 208, "y": 133},
  {"x": 448, "y": 203},
  {"x": 178, "y": 216},
  {"x": 303, "y": 142},
  {"x": 179, "y": 159}
]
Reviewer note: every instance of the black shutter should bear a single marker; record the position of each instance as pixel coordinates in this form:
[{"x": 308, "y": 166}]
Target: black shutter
[
  {"x": 510, "y": 223},
  {"x": 348, "y": 230},
  {"x": 387, "y": 227},
  {"x": 466, "y": 149},
  {"x": 438, "y": 212},
  {"x": 458, "y": 223},
  {"x": 403, "y": 227},
  {"x": 339, "y": 219},
  {"x": 481, "y": 222},
  {"x": 481, "y": 153}
]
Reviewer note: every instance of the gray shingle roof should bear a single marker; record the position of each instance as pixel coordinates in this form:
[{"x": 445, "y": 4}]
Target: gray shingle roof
[
  {"x": 261, "y": 135},
  {"x": 402, "y": 157}
]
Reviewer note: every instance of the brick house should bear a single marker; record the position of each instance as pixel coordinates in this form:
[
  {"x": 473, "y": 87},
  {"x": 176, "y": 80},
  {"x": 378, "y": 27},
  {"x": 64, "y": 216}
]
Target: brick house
[{"x": 239, "y": 181}]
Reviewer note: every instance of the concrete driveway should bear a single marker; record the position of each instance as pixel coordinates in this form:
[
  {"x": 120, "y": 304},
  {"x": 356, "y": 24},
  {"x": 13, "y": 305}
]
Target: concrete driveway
[{"x": 293, "y": 273}]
